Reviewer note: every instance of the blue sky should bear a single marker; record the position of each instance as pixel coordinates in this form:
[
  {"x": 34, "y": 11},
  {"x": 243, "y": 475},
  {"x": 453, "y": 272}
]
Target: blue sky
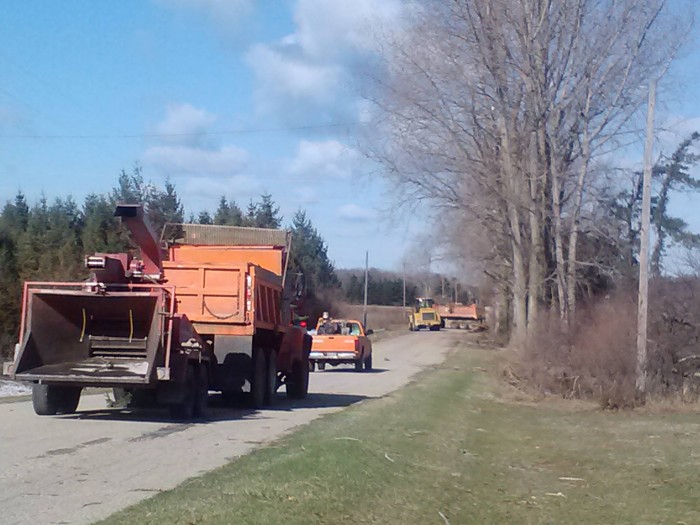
[
  {"x": 234, "y": 97},
  {"x": 230, "y": 97}
]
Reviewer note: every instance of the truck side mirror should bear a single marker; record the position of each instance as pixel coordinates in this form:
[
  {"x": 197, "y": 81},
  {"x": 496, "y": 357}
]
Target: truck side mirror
[{"x": 369, "y": 332}]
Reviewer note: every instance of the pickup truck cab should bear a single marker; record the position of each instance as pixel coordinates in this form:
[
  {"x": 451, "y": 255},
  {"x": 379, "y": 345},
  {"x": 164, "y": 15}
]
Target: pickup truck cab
[{"x": 341, "y": 341}]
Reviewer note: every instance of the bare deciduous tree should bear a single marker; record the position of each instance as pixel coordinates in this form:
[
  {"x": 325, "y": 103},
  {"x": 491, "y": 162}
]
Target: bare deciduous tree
[{"x": 495, "y": 112}]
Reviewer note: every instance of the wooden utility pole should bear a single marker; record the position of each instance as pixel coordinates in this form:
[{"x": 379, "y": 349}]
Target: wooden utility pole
[
  {"x": 404, "y": 285},
  {"x": 642, "y": 298},
  {"x": 364, "y": 310}
]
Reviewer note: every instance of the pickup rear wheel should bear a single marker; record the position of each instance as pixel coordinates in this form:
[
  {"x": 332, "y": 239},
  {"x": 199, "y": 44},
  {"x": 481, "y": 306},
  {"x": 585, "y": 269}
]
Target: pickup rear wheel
[
  {"x": 368, "y": 362},
  {"x": 358, "y": 364}
]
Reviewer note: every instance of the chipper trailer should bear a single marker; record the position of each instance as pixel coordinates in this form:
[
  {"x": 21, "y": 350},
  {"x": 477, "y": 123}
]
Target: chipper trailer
[{"x": 207, "y": 309}]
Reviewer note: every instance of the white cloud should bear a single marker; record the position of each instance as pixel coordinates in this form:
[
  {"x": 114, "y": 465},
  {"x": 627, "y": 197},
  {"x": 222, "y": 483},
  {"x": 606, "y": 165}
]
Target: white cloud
[
  {"x": 353, "y": 212},
  {"x": 221, "y": 12},
  {"x": 289, "y": 84},
  {"x": 307, "y": 76},
  {"x": 328, "y": 28},
  {"x": 185, "y": 124},
  {"x": 194, "y": 161},
  {"x": 328, "y": 159}
]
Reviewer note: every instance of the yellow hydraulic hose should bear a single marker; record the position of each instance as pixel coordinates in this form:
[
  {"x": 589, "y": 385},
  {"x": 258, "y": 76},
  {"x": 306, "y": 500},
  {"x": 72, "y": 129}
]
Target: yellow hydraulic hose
[
  {"x": 131, "y": 324},
  {"x": 82, "y": 332}
]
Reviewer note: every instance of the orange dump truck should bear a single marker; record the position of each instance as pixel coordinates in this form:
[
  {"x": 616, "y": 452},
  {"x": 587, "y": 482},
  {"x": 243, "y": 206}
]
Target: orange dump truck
[
  {"x": 213, "y": 316},
  {"x": 466, "y": 316},
  {"x": 341, "y": 341}
]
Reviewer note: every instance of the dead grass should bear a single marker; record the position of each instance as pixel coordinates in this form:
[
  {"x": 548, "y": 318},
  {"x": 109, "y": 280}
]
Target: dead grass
[{"x": 387, "y": 317}]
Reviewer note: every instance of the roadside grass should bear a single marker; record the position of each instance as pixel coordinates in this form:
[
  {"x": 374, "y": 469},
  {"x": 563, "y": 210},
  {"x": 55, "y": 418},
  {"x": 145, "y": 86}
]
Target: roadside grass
[{"x": 453, "y": 448}]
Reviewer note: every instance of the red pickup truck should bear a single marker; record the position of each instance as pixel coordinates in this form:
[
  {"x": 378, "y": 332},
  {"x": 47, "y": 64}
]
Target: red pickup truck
[{"x": 341, "y": 341}]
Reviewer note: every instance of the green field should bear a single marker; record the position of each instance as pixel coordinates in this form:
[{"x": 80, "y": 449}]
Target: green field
[{"x": 452, "y": 449}]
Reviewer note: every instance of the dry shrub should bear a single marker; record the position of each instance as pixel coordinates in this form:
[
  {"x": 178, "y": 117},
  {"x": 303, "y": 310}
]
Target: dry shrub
[
  {"x": 674, "y": 338},
  {"x": 596, "y": 358}
]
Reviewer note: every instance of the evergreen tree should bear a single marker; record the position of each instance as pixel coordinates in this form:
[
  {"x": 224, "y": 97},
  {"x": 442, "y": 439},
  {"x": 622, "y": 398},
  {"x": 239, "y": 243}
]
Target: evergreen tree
[
  {"x": 164, "y": 206},
  {"x": 101, "y": 231},
  {"x": 131, "y": 188},
  {"x": 228, "y": 214},
  {"x": 203, "y": 218},
  {"x": 310, "y": 255}
]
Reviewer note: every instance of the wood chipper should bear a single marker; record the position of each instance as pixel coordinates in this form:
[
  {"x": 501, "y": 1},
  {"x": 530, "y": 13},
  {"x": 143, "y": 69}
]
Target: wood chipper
[{"x": 214, "y": 315}]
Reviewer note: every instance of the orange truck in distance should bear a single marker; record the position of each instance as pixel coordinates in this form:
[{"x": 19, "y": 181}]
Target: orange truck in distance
[
  {"x": 465, "y": 316},
  {"x": 341, "y": 341}
]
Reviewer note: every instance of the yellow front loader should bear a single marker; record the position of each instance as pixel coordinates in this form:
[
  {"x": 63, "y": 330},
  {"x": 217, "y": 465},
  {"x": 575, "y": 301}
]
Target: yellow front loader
[{"x": 424, "y": 314}]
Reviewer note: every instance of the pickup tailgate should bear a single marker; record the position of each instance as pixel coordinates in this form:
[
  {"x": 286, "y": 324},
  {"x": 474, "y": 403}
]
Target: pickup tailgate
[{"x": 334, "y": 347}]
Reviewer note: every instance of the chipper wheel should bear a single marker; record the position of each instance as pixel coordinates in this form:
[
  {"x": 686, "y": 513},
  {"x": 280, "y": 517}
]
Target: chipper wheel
[{"x": 49, "y": 400}]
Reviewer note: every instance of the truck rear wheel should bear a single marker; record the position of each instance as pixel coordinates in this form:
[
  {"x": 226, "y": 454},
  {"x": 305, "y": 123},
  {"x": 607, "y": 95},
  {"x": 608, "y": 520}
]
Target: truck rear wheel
[
  {"x": 256, "y": 397},
  {"x": 298, "y": 381},
  {"x": 271, "y": 378},
  {"x": 49, "y": 400},
  {"x": 202, "y": 402},
  {"x": 186, "y": 407}
]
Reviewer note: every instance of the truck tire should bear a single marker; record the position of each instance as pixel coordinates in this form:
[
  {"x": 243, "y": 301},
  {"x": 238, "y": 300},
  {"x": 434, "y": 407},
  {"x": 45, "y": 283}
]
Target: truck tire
[
  {"x": 321, "y": 366},
  {"x": 271, "y": 378},
  {"x": 410, "y": 327},
  {"x": 185, "y": 408},
  {"x": 368, "y": 362},
  {"x": 49, "y": 400},
  {"x": 202, "y": 401},
  {"x": 298, "y": 381},
  {"x": 256, "y": 397},
  {"x": 358, "y": 364},
  {"x": 312, "y": 366}
]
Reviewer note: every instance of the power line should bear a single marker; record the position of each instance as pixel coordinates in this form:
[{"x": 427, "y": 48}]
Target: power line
[{"x": 241, "y": 131}]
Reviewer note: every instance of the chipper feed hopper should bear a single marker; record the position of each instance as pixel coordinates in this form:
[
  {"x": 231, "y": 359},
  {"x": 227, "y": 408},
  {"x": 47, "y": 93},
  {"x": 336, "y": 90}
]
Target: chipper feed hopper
[{"x": 167, "y": 331}]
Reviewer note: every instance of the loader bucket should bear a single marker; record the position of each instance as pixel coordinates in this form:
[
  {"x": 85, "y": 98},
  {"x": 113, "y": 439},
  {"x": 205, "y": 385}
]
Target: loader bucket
[{"x": 80, "y": 337}]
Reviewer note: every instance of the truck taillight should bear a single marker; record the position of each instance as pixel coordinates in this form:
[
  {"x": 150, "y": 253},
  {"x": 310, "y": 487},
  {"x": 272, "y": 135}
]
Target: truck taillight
[{"x": 249, "y": 292}]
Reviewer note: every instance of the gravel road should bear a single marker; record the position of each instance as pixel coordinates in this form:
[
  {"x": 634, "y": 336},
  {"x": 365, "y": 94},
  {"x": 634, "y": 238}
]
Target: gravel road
[{"x": 83, "y": 467}]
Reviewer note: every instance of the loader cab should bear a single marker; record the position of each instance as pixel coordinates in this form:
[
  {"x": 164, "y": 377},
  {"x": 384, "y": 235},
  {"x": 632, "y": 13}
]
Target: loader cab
[{"x": 422, "y": 302}]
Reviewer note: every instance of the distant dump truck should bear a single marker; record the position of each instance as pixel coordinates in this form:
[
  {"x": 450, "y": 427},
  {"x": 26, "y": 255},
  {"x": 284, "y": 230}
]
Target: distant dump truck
[
  {"x": 464, "y": 316},
  {"x": 213, "y": 316},
  {"x": 424, "y": 314},
  {"x": 341, "y": 341}
]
